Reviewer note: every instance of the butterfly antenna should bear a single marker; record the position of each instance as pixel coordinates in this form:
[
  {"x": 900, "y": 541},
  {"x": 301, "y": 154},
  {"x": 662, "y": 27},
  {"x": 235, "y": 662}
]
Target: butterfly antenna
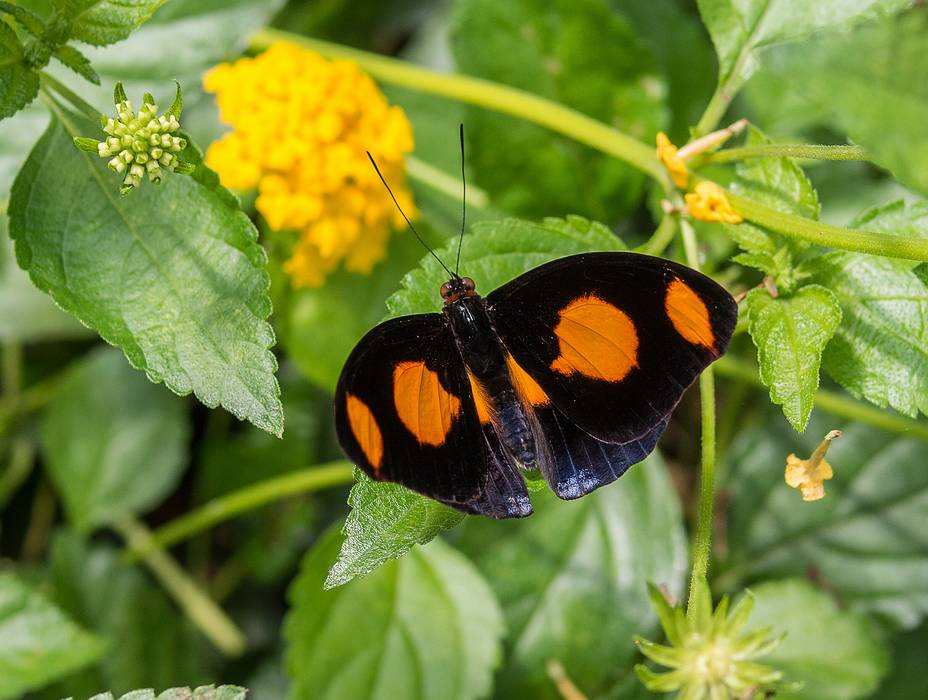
[
  {"x": 457, "y": 263},
  {"x": 408, "y": 222}
]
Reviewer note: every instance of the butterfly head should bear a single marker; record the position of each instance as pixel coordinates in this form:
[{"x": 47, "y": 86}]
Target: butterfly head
[{"x": 456, "y": 288}]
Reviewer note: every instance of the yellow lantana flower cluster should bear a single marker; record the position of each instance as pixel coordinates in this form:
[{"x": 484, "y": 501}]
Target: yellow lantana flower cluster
[{"x": 300, "y": 129}]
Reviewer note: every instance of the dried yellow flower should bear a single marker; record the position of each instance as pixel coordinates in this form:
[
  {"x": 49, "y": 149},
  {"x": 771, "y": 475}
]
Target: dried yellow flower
[
  {"x": 709, "y": 203},
  {"x": 669, "y": 156},
  {"x": 300, "y": 129},
  {"x": 810, "y": 475}
]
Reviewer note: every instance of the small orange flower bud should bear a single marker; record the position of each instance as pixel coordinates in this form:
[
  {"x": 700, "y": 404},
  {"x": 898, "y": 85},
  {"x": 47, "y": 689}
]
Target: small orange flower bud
[
  {"x": 709, "y": 203},
  {"x": 668, "y": 155}
]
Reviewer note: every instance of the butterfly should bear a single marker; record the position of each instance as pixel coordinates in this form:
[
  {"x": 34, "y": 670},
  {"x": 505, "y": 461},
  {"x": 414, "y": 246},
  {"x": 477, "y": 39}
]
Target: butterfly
[{"x": 572, "y": 369}]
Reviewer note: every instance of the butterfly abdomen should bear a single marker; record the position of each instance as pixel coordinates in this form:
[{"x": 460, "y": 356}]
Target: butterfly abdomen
[{"x": 499, "y": 407}]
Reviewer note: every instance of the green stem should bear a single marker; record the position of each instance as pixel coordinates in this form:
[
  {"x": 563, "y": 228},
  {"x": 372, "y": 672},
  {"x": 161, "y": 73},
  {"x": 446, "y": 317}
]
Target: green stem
[
  {"x": 888, "y": 245},
  {"x": 487, "y": 94},
  {"x": 833, "y": 402},
  {"x": 229, "y": 506},
  {"x": 442, "y": 182},
  {"x": 204, "y": 613},
  {"x": 22, "y": 457},
  {"x": 810, "y": 151},
  {"x": 702, "y": 542},
  {"x": 661, "y": 237},
  {"x": 76, "y": 100},
  {"x": 715, "y": 110}
]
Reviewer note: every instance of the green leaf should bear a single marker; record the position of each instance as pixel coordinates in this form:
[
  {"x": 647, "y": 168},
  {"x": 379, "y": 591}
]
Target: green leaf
[
  {"x": 174, "y": 275},
  {"x": 544, "y": 48},
  {"x": 101, "y": 22},
  {"x": 865, "y": 540},
  {"x": 77, "y": 62},
  {"x": 740, "y": 27},
  {"x": 392, "y": 519},
  {"x": 150, "y": 642},
  {"x": 204, "y": 692},
  {"x": 113, "y": 442},
  {"x": 790, "y": 334},
  {"x": 19, "y": 84},
  {"x": 880, "y": 350},
  {"x": 426, "y": 626},
  {"x": 870, "y": 84},
  {"x": 38, "y": 642},
  {"x": 27, "y": 315},
  {"x": 26, "y": 19},
  {"x": 906, "y": 678},
  {"x": 572, "y": 578},
  {"x": 836, "y": 655},
  {"x": 386, "y": 521}
]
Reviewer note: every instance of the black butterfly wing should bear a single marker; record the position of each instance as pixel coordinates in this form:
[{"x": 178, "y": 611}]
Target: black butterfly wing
[
  {"x": 404, "y": 413},
  {"x": 614, "y": 339}
]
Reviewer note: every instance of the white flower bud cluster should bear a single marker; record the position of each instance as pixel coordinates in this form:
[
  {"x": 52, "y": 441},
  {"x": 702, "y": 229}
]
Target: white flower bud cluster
[{"x": 141, "y": 143}]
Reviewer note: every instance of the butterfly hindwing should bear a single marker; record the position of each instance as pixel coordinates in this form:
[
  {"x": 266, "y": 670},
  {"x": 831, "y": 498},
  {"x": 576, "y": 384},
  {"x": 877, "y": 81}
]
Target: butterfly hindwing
[
  {"x": 404, "y": 413},
  {"x": 613, "y": 339}
]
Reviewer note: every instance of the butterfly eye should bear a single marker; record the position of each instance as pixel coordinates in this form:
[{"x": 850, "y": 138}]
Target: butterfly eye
[
  {"x": 445, "y": 290},
  {"x": 468, "y": 284}
]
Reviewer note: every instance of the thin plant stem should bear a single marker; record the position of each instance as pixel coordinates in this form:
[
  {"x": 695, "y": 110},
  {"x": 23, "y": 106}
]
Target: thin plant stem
[
  {"x": 198, "y": 606},
  {"x": 833, "y": 402},
  {"x": 41, "y": 520},
  {"x": 487, "y": 94},
  {"x": 702, "y": 541},
  {"x": 786, "y": 150},
  {"x": 22, "y": 459},
  {"x": 76, "y": 100},
  {"x": 661, "y": 238},
  {"x": 245, "y": 499}
]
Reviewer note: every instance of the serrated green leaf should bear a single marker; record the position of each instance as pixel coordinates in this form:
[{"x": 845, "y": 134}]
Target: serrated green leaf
[
  {"x": 385, "y": 522},
  {"x": 543, "y": 47},
  {"x": 26, "y": 18},
  {"x": 572, "y": 578},
  {"x": 101, "y": 22},
  {"x": 790, "y": 334},
  {"x": 113, "y": 442},
  {"x": 150, "y": 642},
  {"x": 777, "y": 182},
  {"x": 866, "y": 539},
  {"x": 426, "y": 626},
  {"x": 77, "y": 62},
  {"x": 174, "y": 275},
  {"x": 870, "y": 84},
  {"x": 880, "y": 351},
  {"x": 38, "y": 642},
  {"x": 19, "y": 84},
  {"x": 205, "y": 692},
  {"x": 836, "y": 655},
  {"x": 393, "y": 519},
  {"x": 739, "y": 27}
]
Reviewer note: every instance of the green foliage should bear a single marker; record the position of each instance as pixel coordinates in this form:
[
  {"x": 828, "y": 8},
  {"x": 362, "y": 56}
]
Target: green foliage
[
  {"x": 101, "y": 22},
  {"x": 101, "y": 476},
  {"x": 148, "y": 640},
  {"x": 544, "y": 48},
  {"x": 866, "y": 538},
  {"x": 19, "y": 84},
  {"x": 790, "y": 334},
  {"x": 739, "y": 29},
  {"x": 870, "y": 84},
  {"x": 906, "y": 677},
  {"x": 834, "y": 654},
  {"x": 38, "y": 642},
  {"x": 205, "y": 692},
  {"x": 426, "y": 626},
  {"x": 572, "y": 578},
  {"x": 179, "y": 288}
]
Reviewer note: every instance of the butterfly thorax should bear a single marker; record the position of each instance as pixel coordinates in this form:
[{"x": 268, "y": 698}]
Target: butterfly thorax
[{"x": 485, "y": 359}]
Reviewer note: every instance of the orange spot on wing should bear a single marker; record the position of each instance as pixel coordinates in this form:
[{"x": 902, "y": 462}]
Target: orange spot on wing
[
  {"x": 481, "y": 400},
  {"x": 689, "y": 314},
  {"x": 423, "y": 405},
  {"x": 596, "y": 340},
  {"x": 526, "y": 387},
  {"x": 365, "y": 430}
]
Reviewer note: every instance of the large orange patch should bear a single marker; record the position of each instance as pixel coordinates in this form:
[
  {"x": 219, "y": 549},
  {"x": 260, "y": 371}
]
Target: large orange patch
[
  {"x": 365, "y": 430},
  {"x": 688, "y": 314},
  {"x": 596, "y": 339},
  {"x": 423, "y": 405},
  {"x": 526, "y": 387}
]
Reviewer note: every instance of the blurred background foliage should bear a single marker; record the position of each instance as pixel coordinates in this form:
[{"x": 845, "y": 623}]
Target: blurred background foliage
[{"x": 89, "y": 448}]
